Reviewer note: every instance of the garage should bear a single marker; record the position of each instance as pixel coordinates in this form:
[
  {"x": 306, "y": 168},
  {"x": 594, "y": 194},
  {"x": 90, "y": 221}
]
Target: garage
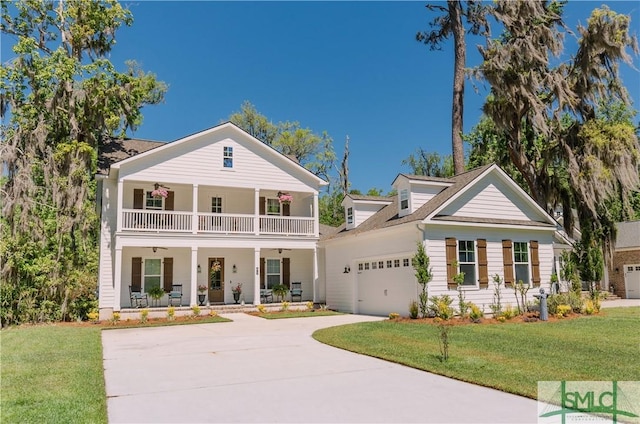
[
  {"x": 632, "y": 281},
  {"x": 385, "y": 285}
]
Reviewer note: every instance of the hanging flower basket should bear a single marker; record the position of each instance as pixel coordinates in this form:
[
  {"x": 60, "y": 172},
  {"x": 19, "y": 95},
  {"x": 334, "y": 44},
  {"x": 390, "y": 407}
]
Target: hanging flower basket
[
  {"x": 160, "y": 191},
  {"x": 284, "y": 198}
]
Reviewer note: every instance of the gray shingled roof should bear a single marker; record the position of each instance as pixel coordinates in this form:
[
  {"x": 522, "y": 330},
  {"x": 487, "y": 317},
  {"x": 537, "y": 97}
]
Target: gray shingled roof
[
  {"x": 426, "y": 178},
  {"x": 115, "y": 150},
  {"x": 326, "y": 230},
  {"x": 370, "y": 198},
  {"x": 388, "y": 215}
]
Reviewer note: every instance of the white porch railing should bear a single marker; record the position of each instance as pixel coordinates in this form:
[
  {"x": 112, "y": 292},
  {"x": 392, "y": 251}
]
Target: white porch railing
[
  {"x": 286, "y": 225},
  {"x": 150, "y": 220},
  {"x": 225, "y": 223},
  {"x": 173, "y": 221}
]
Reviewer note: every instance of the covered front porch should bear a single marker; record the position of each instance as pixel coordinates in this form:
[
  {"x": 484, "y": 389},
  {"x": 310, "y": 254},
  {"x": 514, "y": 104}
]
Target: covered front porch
[{"x": 163, "y": 275}]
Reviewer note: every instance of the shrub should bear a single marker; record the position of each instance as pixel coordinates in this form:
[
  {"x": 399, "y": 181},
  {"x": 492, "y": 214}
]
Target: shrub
[
  {"x": 213, "y": 313},
  {"x": 115, "y": 318},
  {"x": 509, "y": 312},
  {"x": 394, "y": 315},
  {"x": 440, "y": 307},
  {"x": 262, "y": 309},
  {"x": 310, "y": 306},
  {"x": 475, "y": 313},
  {"x": 589, "y": 307},
  {"x": 563, "y": 310},
  {"x": 501, "y": 318},
  {"x": 572, "y": 299},
  {"x": 285, "y": 306},
  {"x": 144, "y": 315},
  {"x": 171, "y": 313},
  {"x": 93, "y": 316},
  {"x": 196, "y": 310},
  {"x": 413, "y": 309}
]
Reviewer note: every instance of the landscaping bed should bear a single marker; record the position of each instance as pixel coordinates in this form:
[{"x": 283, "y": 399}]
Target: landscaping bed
[{"x": 294, "y": 314}]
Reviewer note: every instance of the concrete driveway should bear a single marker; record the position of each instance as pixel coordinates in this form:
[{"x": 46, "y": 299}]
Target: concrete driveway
[{"x": 256, "y": 370}]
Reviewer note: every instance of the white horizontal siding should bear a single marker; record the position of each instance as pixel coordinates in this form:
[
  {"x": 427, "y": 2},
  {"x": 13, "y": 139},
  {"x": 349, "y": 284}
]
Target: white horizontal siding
[
  {"x": 200, "y": 162},
  {"x": 492, "y": 198},
  {"x": 435, "y": 247},
  {"x": 422, "y": 194},
  {"x": 363, "y": 211},
  {"x": 107, "y": 231}
]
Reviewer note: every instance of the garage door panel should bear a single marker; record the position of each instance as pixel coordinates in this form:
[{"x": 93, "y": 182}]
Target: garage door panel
[
  {"x": 382, "y": 291},
  {"x": 632, "y": 281}
]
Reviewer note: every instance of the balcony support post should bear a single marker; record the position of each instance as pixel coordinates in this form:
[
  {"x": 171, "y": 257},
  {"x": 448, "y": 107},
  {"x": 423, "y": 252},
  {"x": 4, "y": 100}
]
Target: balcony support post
[
  {"x": 256, "y": 212},
  {"x": 316, "y": 215},
  {"x": 194, "y": 217},
  {"x": 119, "y": 206}
]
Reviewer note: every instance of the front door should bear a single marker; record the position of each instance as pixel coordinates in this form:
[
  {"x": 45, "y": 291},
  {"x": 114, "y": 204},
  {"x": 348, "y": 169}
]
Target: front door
[{"x": 216, "y": 280}]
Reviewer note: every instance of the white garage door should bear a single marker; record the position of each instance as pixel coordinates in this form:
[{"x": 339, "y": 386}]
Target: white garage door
[
  {"x": 632, "y": 281},
  {"x": 385, "y": 286}
]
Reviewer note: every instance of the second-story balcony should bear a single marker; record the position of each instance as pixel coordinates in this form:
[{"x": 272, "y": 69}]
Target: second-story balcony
[{"x": 217, "y": 223}]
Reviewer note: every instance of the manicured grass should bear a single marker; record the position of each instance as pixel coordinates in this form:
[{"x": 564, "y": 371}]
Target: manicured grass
[
  {"x": 163, "y": 322},
  {"x": 295, "y": 314},
  {"x": 511, "y": 357},
  {"x": 52, "y": 374}
]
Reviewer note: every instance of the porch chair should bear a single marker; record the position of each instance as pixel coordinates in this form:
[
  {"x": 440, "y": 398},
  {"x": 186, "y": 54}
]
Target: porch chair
[
  {"x": 138, "y": 299},
  {"x": 175, "y": 294},
  {"x": 296, "y": 290},
  {"x": 266, "y": 295}
]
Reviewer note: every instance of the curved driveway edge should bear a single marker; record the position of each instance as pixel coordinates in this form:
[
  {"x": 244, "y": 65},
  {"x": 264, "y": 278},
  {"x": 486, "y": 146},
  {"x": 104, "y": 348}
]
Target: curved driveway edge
[{"x": 256, "y": 370}]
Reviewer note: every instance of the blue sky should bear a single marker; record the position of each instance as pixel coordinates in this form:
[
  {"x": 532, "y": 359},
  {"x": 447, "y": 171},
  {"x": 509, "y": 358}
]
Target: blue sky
[{"x": 350, "y": 68}]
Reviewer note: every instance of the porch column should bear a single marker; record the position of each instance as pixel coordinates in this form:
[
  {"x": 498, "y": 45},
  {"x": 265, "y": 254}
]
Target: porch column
[
  {"x": 194, "y": 218},
  {"x": 117, "y": 279},
  {"x": 119, "y": 206},
  {"x": 316, "y": 215},
  {"x": 194, "y": 276},
  {"x": 256, "y": 212},
  {"x": 256, "y": 279},
  {"x": 315, "y": 274}
]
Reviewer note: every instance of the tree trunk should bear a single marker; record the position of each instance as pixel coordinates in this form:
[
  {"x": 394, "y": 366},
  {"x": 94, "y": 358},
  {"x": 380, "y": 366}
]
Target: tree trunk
[{"x": 455, "y": 13}]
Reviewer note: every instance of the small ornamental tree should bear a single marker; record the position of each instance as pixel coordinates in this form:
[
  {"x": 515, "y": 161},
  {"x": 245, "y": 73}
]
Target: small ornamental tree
[{"x": 424, "y": 274}]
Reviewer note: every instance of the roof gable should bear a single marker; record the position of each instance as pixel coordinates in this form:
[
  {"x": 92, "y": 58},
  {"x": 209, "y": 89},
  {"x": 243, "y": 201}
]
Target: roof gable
[{"x": 197, "y": 158}]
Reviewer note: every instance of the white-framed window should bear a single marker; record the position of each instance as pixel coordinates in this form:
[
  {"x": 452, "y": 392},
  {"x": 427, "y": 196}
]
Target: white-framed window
[
  {"x": 366, "y": 266},
  {"x": 216, "y": 204},
  {"x": 153, "y": 203},
  {"x": 521, "y": 261},
  {"x": 227, "y": 157},
  {"x": 374, "y": 265},
  {"x": 389, "y": 264},
  {"x": 405, "y": 262},
  {"x": 273, "y": 207},
  {"x": 273, "y": 273},
  {"x": 404, "y": 199},
  {"x": 152, "y": 274},
  {"x": 360, "y": 266},
  {"x": 381, "y": 264},
  {"x": 349, "y": 215},
  {"x": 396, "y": 263},
  {"x": 467, "y": 261}
]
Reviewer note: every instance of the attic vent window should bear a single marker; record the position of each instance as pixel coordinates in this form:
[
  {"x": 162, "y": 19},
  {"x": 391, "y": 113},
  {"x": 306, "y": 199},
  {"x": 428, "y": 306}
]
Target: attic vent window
[
  {"x": 227, "y": 158},
  {"x": 404, "y": 199}
]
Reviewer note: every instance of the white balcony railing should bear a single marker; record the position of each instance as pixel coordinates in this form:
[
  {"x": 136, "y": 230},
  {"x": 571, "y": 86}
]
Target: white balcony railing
[
  {"x": 150, "y": 220},
  {"x": 173, "y": 221},
  {"x": 225, "y": 223},
  {"x": 286, "y": 225}
]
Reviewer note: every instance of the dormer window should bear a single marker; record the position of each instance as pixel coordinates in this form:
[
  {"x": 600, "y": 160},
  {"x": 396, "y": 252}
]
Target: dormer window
[
  {"x": 227, "y": 158},
  {"x": 404, "y": 199},
  {"x": 349, "y": 215}
]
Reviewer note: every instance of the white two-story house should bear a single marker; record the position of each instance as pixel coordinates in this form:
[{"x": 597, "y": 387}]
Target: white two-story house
[{"x": 214, "y": 210}]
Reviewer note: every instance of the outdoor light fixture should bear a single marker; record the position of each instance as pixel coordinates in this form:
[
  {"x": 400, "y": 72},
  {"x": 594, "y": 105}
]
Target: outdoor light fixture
[
  {"x": 347, "y": 269},
  {"x": 199, "y": 269},
  {"x": 235, "y": 269}
]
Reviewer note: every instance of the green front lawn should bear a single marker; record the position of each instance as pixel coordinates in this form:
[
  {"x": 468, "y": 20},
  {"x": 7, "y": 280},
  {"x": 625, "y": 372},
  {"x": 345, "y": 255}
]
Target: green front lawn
[
  {"x": 52, "y": 374},
  {"x": 511, "y": 357},
  {"x": 295, "y": 314}
]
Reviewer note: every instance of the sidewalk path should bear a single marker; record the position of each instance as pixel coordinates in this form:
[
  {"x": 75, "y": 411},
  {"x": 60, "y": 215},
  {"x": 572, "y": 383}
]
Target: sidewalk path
[{"x": 264, "y": 371}]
